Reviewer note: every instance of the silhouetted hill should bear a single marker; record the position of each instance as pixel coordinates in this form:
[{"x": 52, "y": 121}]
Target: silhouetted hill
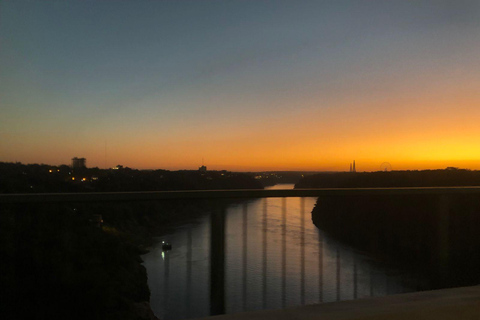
[{"x": 426, "y": 178}]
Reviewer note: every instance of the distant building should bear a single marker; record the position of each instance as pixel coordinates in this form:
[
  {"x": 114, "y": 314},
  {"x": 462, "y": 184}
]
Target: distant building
[
  {"x": 352, "y": 167},
  {"x": 78, "y": 163},
  {"x": 202, "y": 169}
]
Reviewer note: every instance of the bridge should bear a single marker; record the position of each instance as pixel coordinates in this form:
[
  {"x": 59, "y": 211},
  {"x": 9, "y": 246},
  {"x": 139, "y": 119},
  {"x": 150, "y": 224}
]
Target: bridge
[
  {"x": 227, "y": 194},
  {"x": 217, "y": 245}
]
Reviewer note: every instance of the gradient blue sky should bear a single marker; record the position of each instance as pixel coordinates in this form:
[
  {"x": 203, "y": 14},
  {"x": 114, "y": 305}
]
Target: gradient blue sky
[{"x": 246, "y": 85}]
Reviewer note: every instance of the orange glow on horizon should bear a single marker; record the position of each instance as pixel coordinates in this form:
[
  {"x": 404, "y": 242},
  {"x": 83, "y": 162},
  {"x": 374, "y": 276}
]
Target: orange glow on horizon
[
  {"x": 431, "y": 128},
  {"x": 391, "y": 82}
]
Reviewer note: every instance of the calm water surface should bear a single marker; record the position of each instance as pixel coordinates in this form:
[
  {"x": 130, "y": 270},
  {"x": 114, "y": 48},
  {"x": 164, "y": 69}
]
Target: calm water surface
[{"x": 264, "y": 269}]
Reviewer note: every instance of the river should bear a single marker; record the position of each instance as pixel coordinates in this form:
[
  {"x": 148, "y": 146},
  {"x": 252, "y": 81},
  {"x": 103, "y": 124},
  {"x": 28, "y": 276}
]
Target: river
[{"x": 270, "y": 271}]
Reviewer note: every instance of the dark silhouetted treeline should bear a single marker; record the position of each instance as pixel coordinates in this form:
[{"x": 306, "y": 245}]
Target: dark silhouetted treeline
[
  {"x": 55, "y": 263},
  {"x": 438, "y": 236},
  {"x": 36, "y": 178},
  {"x": 424, "y": 178}
]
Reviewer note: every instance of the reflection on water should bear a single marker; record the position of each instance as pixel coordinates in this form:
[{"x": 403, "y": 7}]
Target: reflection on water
[{"x": 275, "y": 258}]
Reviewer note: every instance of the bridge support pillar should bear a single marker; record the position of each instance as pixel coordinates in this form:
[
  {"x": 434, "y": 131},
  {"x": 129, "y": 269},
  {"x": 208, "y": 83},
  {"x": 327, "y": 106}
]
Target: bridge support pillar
[
  {"x": 443, "y": 247},
  {"x": 217, "y": 261}
]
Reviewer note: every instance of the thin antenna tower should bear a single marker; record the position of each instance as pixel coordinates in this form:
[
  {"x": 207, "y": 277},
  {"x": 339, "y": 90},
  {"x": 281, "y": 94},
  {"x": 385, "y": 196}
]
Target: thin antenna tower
[{"x": 105, "y": 154}]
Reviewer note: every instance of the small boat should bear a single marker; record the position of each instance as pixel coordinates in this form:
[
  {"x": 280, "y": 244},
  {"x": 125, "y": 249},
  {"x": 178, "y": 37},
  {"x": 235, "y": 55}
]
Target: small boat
[{"x": 166, "y": 246}]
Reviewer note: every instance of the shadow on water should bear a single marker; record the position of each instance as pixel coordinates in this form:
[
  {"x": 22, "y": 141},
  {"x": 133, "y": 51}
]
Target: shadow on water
[{"x": 438, "y": 236}]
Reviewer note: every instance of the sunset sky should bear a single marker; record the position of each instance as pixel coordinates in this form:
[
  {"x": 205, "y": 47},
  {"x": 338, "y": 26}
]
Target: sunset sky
[{"x": 244, "y": 85}]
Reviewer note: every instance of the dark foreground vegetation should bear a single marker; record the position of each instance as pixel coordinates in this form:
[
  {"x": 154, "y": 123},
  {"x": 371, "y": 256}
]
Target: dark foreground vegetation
[
  {"x": 61, "y": 261},
  {"x": 437, "y": 235},
  {"x": 57, "y": 261}
]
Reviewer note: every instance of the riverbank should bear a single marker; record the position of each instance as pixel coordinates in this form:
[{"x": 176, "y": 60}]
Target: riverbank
[
  {"x": 435, "y": 234},
  {"x": 63, "y": 261},
  {"x": 55, "y": 262}
]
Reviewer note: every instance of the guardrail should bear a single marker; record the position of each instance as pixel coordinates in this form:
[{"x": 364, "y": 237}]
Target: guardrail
[
  {"x": 217, "y": 230},
  {"x": 227, "y": 194}
]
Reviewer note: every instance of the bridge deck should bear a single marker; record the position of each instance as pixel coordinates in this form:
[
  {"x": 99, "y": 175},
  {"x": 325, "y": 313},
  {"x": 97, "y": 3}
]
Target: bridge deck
[
  {"x": 225, "y": 194},
  {"x": 446, "y": 304}
]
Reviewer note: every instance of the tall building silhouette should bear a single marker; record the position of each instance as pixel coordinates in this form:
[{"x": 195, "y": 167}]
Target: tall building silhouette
[{"x": 78, "y": 163}]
